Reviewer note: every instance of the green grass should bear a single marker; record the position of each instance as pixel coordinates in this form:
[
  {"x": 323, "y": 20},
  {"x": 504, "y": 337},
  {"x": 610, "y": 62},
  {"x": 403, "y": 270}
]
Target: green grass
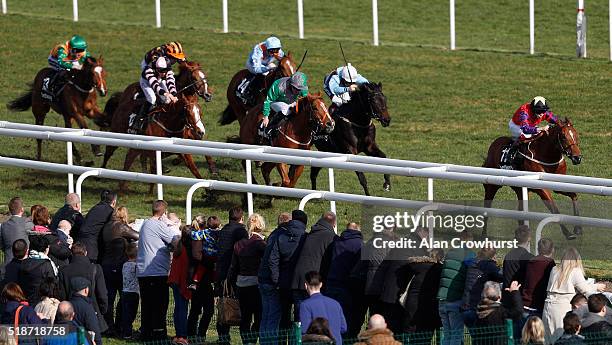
[{"x": 446, "y": 106}]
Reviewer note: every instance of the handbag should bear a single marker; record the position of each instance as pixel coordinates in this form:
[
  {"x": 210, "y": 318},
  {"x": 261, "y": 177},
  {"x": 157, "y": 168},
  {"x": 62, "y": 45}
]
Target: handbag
[{"x": 228, "y": 307}]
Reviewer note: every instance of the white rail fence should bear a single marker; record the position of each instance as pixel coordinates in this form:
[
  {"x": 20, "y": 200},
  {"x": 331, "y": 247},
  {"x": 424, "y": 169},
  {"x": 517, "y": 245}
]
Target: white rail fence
[{"x": 375, "y": 36}]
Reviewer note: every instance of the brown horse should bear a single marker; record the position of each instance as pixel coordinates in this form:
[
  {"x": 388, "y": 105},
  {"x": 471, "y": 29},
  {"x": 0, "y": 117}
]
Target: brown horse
[
  {"x": 544, "y": 153},
  {"x": 182, "y": 119},
  {"x": 236, "y": 110},
  {"x": 76, "y": 99},
  {"x": 312, "y": 117}
]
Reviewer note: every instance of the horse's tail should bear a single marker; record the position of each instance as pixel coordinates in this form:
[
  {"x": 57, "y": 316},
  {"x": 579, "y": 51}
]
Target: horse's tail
[
  {"x": 23, "y": 102},
  {"x": 111, "y": 106},
  {"x": 233, "y": 139},
  {"x": 227, "y": 116}
]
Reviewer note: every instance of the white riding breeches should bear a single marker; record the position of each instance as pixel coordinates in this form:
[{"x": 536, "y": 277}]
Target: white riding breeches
[
  {"x": 516, "y": 132},
  {"x": 150, "y": 94},
  {"x": 281, "y": 107},
  {"x": 341, "y": 98}
]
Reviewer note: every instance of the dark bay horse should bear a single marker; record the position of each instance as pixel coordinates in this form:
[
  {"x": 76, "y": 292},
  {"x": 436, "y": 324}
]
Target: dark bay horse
[
  {"x": 236, "y": 110},
  {"x": 312, "y": 117},
  {"x": 182, "y": 119},
  {"x": 543, "y": 153},
  {"x": 76, "y": 100},
  {"x": 355, "y": 131}
]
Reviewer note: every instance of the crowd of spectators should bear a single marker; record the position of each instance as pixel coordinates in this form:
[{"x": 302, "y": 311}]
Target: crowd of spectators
[{"x": 97, "y": 270}]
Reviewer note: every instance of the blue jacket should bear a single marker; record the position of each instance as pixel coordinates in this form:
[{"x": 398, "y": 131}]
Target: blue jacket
[
  {"x": 258, "y": 60},
  {"x": 284, "y": 252},
  {"x": 320, "y": 306},
  {"x": 335, "y": 85},
  {"x": 346, "y": 252},
  {"x": 265, "y": 273}
]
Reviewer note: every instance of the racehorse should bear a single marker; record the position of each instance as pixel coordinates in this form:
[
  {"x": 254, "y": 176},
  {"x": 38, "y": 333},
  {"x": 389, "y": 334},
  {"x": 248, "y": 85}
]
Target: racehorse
[
  {"x": 311, "y": 118},
  {"x": 76, "y": 99},
  {"x": 542, "y": 153},
  {"x": 181, "y": 119},
  {"x": 355, "y": 131},
  {"x": 236, "y": 109}
]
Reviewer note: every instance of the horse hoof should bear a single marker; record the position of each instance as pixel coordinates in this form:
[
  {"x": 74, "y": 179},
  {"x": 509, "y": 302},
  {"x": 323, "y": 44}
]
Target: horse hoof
[
  {"x": 387, "y": 187},
  {"x": 258, "y": 164},
  {"x": 568, "y": 235},
  {"x": 98, "y": 154},
  {"x": 578, "y": 231}
]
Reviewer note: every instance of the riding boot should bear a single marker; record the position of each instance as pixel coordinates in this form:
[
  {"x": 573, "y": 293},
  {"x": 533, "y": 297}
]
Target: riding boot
[
  {"x": 508, "y": 154},
  {"x": 140, "y": 120}
]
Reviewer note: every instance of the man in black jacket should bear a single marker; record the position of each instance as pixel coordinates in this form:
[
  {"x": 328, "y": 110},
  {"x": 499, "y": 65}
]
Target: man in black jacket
[
  {"x": 314, "y": 253},
  {"x": 595, "y": 328},
  {"x": 231, "y": 233},
  {"x": 82, "y": 267},
  {"x": 71, "y": 211},
  {"x": 84, "y": 310},
  {"x": 36, "y": 268},
  {"x": 95, "y": 220},
  {"x": 13, "y": 229},
  {"x": 492, "y": 314},
  {"x": 20, "y": 252}
]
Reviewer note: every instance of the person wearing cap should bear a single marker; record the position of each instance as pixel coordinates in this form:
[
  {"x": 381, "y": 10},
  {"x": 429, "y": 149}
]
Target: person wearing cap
[
  {"x": 282, "y": 98},
  {"x": 262, "y": 60},
  {"x": 524, "y": 125},
  {"x": 65, "y": 57},
  {"x": 85, "y": 313},
  {"x": 341, "y": 82}
]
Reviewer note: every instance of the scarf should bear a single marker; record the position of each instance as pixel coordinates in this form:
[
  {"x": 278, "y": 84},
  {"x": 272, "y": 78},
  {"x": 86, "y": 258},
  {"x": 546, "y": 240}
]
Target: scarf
[{"x": 42, "y": 256}]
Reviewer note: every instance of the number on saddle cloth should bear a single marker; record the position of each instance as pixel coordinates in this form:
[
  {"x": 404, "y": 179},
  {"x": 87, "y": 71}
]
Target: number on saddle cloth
[{"x": 508, "y": 160}]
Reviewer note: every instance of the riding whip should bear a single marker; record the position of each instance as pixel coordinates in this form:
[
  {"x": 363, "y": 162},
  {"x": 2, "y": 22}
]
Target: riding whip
[{"x": 301, "y": 62}]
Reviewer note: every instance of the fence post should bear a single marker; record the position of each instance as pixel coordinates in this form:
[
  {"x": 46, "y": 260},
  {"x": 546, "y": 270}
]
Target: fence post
[
  {"x": 3, "y": 6},
  {"x": 300, "y": 8},
  {"x": 610, "y": 25},
  {"x": 70, "y": 162},
  {"x": 225, "y": 19},
  {"x": 75, "y": 10},
  {"x": 452, "y": 24},
  {"x": 375, "y": 21},
  {"x": 159, "y": 172},
  {"x": 158, "y": 13},
  {"x": 531, "y": 27},
  {"x": 510, "y": 331},
  {"x": 297, "y": 332}
]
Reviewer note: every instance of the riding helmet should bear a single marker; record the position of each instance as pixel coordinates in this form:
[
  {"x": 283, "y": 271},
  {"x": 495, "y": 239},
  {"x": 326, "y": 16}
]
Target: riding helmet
[
  {"x": 539, "y": 105},
  {"x": 272, "y": 43},
  {"x": 78, "y": 42},
  {"x": 175, "y": 49},
  {"x": 299, "y": 81}
]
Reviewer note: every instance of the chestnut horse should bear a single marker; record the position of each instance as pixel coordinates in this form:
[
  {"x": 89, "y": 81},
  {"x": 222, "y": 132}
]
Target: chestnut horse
[
  {"x": 312, "y": 117},
  {"x": 544, "y": 153},
  {"x": 182, "y": 119},
  {"x": 236, "y": 110},
  {"x": 355, "y": 131},
  {"x": 76, "y": 99}
]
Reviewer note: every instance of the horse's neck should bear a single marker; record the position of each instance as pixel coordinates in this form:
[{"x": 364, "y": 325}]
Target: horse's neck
[
  {"x": 83, "y": 79},
  {"x": 300, "y": 123},
  {"x": 357, "y": 112},
  {"x": 172, "y": 118},
  {"x": 546, "y": 148}
]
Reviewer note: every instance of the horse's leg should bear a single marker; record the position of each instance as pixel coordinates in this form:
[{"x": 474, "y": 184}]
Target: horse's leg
[
  {"x": 296, "y": 173},
  {"x": 75, "y": 151},
  {"x": 108, "y": 152},
  {"x": 490, "y": 191},
  {"x": 314, "y": 172},
  {"x": 212, "y": 166},
  {"x": 574, "y": 197},
  {"x": 283, "y": 170},
  {"x": 188, "y": 159},
  {"x": 95, "y": 149},
  {"x": 546, "y": 196},
  {"x": 363, "y": 181},
  {"x": 130, "y": 157},
  {"x": 40, "y": 110},
  {"x": 374, "y": 151},
  {"x": 144, "y": 167},
  {"x": 266, "y": 169}
]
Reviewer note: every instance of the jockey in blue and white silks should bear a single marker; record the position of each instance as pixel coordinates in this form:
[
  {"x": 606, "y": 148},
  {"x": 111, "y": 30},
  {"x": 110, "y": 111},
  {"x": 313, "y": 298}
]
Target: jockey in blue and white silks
[
  {"x": 339, "y": 83},
  {"x": 263, "y": 58}
]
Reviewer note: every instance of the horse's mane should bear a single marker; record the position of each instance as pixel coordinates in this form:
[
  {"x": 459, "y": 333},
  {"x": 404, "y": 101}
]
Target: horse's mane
[
  {"x": 311, "y": 97},
  {"x": 189, "y": 66}
]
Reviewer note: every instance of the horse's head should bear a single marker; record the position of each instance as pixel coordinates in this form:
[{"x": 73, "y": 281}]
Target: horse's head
[
  {"x": 286, "y": 66},
  {"x": 376, "y": 102},
  {"x": 194, "y": 126},
  {"x": 191, "y": 78},
  {"x": 94, "y": 69},
  {"x": 568, "y": 140},
  {"x": 316, "y": 110}
]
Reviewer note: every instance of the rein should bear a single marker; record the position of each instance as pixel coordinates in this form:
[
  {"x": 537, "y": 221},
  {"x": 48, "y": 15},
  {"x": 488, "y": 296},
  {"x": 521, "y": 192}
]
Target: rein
[
  {"x": 80, "y": 88},
  {"x": 539, "y": 161},
  {"x": 312, "y": 131}
]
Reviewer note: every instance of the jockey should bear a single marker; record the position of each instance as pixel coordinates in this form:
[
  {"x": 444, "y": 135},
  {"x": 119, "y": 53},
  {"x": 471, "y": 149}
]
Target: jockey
[
  {"x": 261, "y": 61},
  {"x": 156, "y": 81},
  {"x": 282, "y": 98},
  {"x": 65, "y": 57},
  {"x": 340, "y": 82},
  {"x": 524, "y": 124}
]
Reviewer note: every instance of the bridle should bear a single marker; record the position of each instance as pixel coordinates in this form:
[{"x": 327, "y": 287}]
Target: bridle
[
  {"x": 182, "y": 114},
  {"x": 315, "y": 123},
  {"x": 566, "y": 150},
  {"x": 87, "y": 89},
  {"x": 198, "y": 81}
]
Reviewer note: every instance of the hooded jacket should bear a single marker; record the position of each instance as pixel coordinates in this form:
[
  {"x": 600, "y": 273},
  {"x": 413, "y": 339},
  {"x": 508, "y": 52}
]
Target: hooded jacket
[
  {"x": 90, "y": 232},
  {"x": 345, "y": 254},
  {"x": 377, "y": 337},
  {"x": 31, "y": 275},
  {"x": 284, "y": 253},
  {"x": 315, "y": 252},
  {"x": 596, "y": 329}
]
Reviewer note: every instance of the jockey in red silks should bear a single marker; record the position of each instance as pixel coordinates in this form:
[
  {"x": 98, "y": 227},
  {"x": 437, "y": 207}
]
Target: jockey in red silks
[{"x": 524, "y": 124}]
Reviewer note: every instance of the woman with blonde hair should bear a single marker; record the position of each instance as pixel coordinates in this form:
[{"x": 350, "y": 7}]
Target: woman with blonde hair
[
  {"x": 533, "y": 332},
  {"x": 256, "y": 224},
  {"x": 566, "y": 279}
]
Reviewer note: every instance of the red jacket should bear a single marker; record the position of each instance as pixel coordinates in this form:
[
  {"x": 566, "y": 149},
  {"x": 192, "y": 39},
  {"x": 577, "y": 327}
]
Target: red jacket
[
  {"x": 528, "y": 121},
  {"x": 179, "y": 271}
]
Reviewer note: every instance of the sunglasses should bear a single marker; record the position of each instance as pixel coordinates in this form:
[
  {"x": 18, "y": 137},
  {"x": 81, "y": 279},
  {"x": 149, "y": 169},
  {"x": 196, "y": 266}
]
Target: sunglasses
[
  {"x": 76, "y": 51},
  {"x": 273, "y": 51}
]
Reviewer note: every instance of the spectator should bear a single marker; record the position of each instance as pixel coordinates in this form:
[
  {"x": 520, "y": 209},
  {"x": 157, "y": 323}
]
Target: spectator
[
  {"x": 452, "y": 283},
  {"x": 533, "y": 332},
  {"x": 314, "y": 254},
  {"x": 283, "y": 218},
  {"x": 97, "y": 217},
  {"x": 377, "y": 333},
  {"x": 578, "y": 301},
  {"x": 36, "y": 268},
  {"x": 59, "y": 251},
  {"x": 49, "y": 293},
  {"x": 422, "y": 277},
  {"x": 85, "y": 313},
  {"x": 537, "y": 273},
  {"x": 482, "y": 270},
  {"x": 15, "y": 301},
  {"x": 565, "y": 280},
  {"x": 41, "y": 219},
  {"x": 204, "y": 250},
  {"x": 318, "y": 305},
  {"x": 131, "y": 292},
  {"x": 318, "y": 332},
  {"x": 81, "y": 266},
  {"x": 345, "y": 254},
  {"x": 20, "y": 253},
  {"x": 13, "y": 229},
  {"x": 243, "y": 273},
  {"x": 178, "y": 280},
  {"x": 157, "y": 241},
  {"x": 63, "y": 232},
  {"x": 116, "y": 235},
  {"x": 516, "y": 260},
  {"x": 595, "y": 328},
  {"x": 571, "y": 330},
  {"x": 371, "y": 271},
  {"x": 492, "y": 314},
  {"x": 71, "y": 211},
  {"x": 65, "y": 317},
  {"x": 6, "y": 337}
]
